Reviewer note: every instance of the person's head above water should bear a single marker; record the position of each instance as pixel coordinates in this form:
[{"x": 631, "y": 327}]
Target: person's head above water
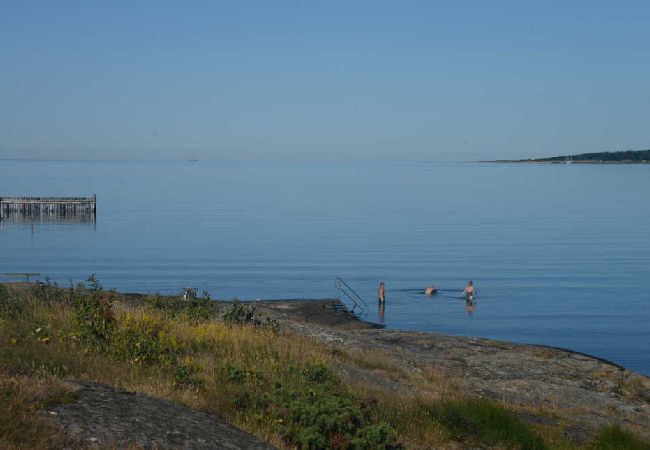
[{"x": 470, "y": 283}]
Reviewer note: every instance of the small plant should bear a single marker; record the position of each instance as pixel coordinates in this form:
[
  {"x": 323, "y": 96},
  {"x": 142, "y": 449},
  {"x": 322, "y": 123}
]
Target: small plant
[
  {"x": 10, "y": 308},
  {"x": 242, "y": 314},
  {"x": 49, "y": 292},
  {"x": 144, "y": 340},
  {"x": 186, "y": 375},
  {"x": 198, "y": 309},
  {"x": 239, "y": 314},
  {"x": 93, "y": 320}
]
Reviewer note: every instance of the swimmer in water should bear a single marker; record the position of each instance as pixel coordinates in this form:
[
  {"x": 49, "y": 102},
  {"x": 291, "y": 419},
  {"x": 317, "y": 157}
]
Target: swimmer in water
[
  {"x": 469, "y": 291},
  {"x": 381, "y": 292},
  {"x": 430, "y": 291}
]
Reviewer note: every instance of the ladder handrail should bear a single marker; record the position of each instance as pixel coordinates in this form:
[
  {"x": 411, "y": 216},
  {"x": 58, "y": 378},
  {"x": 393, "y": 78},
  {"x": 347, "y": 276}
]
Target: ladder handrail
[{"x": 351, "y": 294}]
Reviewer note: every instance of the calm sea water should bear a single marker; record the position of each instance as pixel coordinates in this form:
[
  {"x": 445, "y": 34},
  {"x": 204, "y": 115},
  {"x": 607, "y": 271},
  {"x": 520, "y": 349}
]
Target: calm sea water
[{"x": 560, "y": 254}]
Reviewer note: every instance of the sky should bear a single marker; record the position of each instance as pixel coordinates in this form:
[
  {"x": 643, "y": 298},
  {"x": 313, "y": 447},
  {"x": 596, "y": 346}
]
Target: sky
[{"x": 314, "y": 80}]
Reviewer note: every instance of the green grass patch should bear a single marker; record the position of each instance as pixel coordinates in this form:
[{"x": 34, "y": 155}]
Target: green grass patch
[
  {"x": 613, "y": 437},
  {"x": 481, "y": 421}
]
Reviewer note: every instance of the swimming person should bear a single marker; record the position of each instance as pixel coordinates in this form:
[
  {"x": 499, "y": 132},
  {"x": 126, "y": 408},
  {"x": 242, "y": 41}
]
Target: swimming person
[
  {"x": 381, "y": 292},
  {"x": 469, "y": 307},
  {"x": 469, "y": 291},
  {"x": 430, "y": 291}
]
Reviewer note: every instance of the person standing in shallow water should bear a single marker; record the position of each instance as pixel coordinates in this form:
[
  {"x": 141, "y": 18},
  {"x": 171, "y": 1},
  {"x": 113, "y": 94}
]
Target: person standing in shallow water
[
  {"x": 469, "y": 291},
  {"x": 381, "y": 292}
]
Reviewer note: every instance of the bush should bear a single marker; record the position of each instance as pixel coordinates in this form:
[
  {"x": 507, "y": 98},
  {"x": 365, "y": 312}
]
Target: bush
[
  {"x": 375, "y": 436},
  {"x": 145, "y": 340},
  {"x": 239, "y": 314},
  {"x": 48, "y": 292},
  {"x": 198, "y": 309},
  {"x": 10, "y": 308},
  {"x": 169, "y": 307},
  {"x": 186, "y": 375},
  {"x": 93, "y": 320},
  {"x": 307, "y": 405},
  {"x": 195, "y": 310},
  {"x": 243, "y": 314}
]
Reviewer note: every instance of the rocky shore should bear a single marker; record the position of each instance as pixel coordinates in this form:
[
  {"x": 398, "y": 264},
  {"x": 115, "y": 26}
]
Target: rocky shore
[
  {"x": 546, "y": 385},
  {"x": 564, "y": 396}
]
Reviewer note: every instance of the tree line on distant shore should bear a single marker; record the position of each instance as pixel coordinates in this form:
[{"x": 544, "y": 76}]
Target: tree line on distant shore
[{"x": 627, "y": 155}]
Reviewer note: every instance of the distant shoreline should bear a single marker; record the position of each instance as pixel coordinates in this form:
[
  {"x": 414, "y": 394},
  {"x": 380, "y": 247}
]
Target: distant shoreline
[
  {"x": 547, "y": 161},
  {"x": 620, "y": 157}
]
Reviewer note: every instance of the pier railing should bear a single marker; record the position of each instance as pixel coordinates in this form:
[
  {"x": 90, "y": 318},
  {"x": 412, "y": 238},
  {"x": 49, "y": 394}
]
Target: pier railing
[
  {"x": 65, "y": 209},
  {"x": 350, "y": 296}
]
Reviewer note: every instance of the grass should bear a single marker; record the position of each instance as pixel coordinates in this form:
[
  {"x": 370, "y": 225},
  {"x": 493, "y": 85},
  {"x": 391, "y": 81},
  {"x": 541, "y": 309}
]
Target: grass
[
  {"x": 279, "y": 386},
  {"x": 613, "y": 437},
  {"x": 481, "y": 421},
  {"x": 21, "y": 424}
]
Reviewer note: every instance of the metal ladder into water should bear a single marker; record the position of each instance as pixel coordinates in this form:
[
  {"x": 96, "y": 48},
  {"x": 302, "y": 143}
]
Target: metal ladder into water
[{"x": 350, "y": 298}]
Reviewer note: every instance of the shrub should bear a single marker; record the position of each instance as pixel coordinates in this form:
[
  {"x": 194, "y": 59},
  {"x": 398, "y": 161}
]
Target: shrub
[
  {"x": 195, "y": 310},
  {"x": 307, "y": 405},
  {"x": 198, "y": 309},
  {"x": 145, "y": 339},
  {"x": 243, "y": 314},
  {"x": 93, "y": 320},
  {"x": 10, "y": 307},
  {"x": 186, "y": 375},
  {"x": 48, "y": 292},
  {"x": 239, "y": 314},
  {"x": 169, "y": 307},
  {"x": 375, "y": 436}
]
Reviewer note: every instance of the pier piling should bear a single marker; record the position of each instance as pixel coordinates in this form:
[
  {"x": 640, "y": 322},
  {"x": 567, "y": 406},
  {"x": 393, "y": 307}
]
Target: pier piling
[{"x": 65, "y": 209}]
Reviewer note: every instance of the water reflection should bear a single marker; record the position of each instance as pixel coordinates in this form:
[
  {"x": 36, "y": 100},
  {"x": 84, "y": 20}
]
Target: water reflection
[
  {"x": 469, "y": 306},
  {"x": 44, "y": 217},
  {"x": 382, "y": 312}
]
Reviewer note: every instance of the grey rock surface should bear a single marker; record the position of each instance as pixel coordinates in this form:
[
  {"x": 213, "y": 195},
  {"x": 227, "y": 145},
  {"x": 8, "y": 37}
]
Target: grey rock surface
[
  {"x": 104, "y": 417},
  {"x": 582, "y": 391}
]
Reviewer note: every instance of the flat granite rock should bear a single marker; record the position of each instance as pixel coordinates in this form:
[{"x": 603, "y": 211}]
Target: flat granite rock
[
  {"x": 107, "y": 417},
  {"x": 584, "y": 391}
]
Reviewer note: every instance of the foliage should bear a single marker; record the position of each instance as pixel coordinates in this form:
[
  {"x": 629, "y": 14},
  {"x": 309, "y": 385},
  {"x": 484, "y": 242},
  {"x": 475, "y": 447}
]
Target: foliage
[
  {"x": 169, "y": 307},
  {"x": 49, "y": 292},
  {"x": 93, "y": 321},
  {"x": 627, "y": 155},
  {"x": 242, "y": 314},
  {"x": 482, "y": 420},
  {"x": 196, "y": 310},
  {"x": 187, "y": 375},
  {"x": 10, "y": 307},
  {"x": 21, "y": 424},
  {"x": 613, "y": 437},
  {"x": 313, "y": 411},
  {"x": 279, "y": 386},
  {"x": 144, "y": 339}
]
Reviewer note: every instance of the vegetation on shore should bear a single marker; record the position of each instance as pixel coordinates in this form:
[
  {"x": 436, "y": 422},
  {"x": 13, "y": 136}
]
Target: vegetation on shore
[
  {"x": 626, "y": 156},
  {"x": 283, "y": 387}
]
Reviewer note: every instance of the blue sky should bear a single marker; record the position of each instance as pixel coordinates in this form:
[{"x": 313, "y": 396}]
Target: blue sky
[{"x": 435, "y": 81}]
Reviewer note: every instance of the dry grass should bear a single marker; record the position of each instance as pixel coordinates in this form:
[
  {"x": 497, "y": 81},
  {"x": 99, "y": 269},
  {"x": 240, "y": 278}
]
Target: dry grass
[
  {"x": 22, "y": 425},
  {"x": 227, "y": 370}
]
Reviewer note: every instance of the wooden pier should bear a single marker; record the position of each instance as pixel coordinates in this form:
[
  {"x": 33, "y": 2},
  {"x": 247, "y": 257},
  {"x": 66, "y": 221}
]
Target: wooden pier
[{"x": 45, "y": 209}]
